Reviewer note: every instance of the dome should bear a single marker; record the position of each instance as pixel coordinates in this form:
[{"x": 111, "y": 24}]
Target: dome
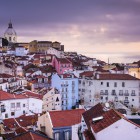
[
  {"x": 10, "y": 34},
  {"x": 10, "y": 30}
]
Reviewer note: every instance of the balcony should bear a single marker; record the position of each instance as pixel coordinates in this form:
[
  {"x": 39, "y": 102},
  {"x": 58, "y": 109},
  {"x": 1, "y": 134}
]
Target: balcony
[
  {"x": 120, "y": 94},
  {"x": 64, "y": 85},
  {"x": 126, "y": 101},
  {"x": 133, "y": 94},
  {"x": 113, "y": 94},
  {"x": 64, "y": 97},
  {"x": 126, "y": 94},
  {"x": 103, "y": 93},
  {"x": 3, "y": 110}
]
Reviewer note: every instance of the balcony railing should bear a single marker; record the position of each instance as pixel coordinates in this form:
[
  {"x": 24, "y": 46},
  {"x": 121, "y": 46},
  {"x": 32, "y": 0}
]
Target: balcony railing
[
  {"x": 126, "y": 94},
  {"x": 133, "y": 94},
  {"x": 120, "y": 94},
  {"x": 126, "y": 101},
  {"x": 114, "y": 94},
  {"x": 103, "y": 93},
  {"x": 3, "y": 110},
  {"x": 64, "y": 85}
]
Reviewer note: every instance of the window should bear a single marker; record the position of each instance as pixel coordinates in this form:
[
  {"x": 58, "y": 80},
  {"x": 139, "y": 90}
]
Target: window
[
  {"x": 9, "y": 38},
  {"x": 66, "y": 89},
  {"x": 56, "y": 136},
  {"x": 6, "y": 115},
  {"x": 107, "y": 84},
  {"x": 126, "y": 91},
  {"x": 126, "y": 98},
  {"x": 106, "y": 98},
  {"x": 23, "y": 111},
  {"x": 12, "y": 113},
  {"x": 133, "y": 91},
  {"x": 12, "y": 105},
  {"x": 123, "y": 84},
  {"x": 18, "y": 105},
  {"x": 132, "y": 99},
  {"x": 67, "y": 135},
  {"x": 106, "y": 92},
  {"x": 115, "y": 84},
  {"x": 90, "y": 83},
  {"x": 79, "y": 81},
  {"x": 113, "y": 92},
  {"x": 73, "y": 82},
  {"x": 23, "y": 105},
  {"x": 101, "y": 83},
  {"x": 101, "y": 97}
]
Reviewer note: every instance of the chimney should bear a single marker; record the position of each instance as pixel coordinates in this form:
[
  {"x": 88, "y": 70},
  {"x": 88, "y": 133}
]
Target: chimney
[{"x": 98, "y": 76}]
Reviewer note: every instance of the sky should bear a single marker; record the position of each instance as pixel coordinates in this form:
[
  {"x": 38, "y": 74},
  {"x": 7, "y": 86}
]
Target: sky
[{"x": 97, "y": 28}]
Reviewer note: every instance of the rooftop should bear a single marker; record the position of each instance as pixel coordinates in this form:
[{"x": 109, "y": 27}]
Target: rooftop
[{"x": 66, "y": 117}]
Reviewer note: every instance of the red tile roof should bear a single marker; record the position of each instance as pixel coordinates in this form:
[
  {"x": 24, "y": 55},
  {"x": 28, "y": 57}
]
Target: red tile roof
[
  {"x": 87, "y": 74},
  {"x": 88, "y": 135},
  {"x": 66, "y": 118},
  {"x": 94, "y": 112},
  {"x": 63, "y": 60},
  {"x": 7, "y": 96},
  {"x": 5, "y": 75},
  {"x": 30, "y": 136},
  {"x": 67, "y": 75},
  {"x": 33, "y": 95},
  {"x": 109, "y": 118},
  {"x": 22, "y": 121},
  {"x": 116, "y": 77}
]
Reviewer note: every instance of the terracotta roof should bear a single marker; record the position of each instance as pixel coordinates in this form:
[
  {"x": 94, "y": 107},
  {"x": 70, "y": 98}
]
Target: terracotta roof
[
  {"x": 34, "y": 95},
  {"x": 30, "y": 135},
  {"x": 63, "y": 60},
  {"x": 20, "y": 130},
  {"x": 67, "y": 75},
  {"x": 23, "y": 121},
  {"x": 7, "y": 96},
  {"x": 94, "y": 112},
  {"x": 5, "y": 75},
  {"x": 109, "y": 117},
  {"x": 116, "y": 77},
  {"x": 66, "y": 117},
  {"x": 88, "y": 135},
  {"x": 87, "y": 74}
]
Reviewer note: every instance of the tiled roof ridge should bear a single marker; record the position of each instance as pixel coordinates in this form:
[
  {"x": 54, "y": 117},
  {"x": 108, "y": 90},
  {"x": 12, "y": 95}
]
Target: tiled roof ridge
[{"x": 65, "y": 110}]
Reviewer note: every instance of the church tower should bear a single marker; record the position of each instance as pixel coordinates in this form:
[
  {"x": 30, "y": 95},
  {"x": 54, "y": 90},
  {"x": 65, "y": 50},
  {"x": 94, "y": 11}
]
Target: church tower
[{"x": 10, "y": 34}]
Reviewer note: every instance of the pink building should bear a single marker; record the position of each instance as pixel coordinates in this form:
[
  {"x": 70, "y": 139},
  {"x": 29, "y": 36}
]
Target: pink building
[{"x": 62, "y": 65}]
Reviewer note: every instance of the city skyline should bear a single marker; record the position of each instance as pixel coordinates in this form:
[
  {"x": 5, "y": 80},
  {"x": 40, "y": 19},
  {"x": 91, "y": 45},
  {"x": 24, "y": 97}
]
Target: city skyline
[{"x": 97, "y": 29}]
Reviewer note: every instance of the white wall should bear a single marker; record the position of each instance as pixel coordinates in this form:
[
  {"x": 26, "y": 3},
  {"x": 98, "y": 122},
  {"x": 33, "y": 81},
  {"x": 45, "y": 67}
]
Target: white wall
[
  {"x": 120, "y": 130},
  {"x": 30, "y": 104}
]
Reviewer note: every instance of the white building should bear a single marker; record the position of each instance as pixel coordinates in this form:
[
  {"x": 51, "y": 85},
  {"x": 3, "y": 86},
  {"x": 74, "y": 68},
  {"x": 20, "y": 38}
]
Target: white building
[
  {"x": 52, "y": 100},
  {"x": 67, "y": 85},
  {"x": 21, "y": 51},
  {"x": 109, "y": 87},
  {"x": 58, "y": 53},
  {"x": 13, "y": 105},
  {"x": 11, "y": 83}
]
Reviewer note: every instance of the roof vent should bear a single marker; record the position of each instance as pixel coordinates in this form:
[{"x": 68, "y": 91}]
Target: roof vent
[
  {"x": 97, "y": 119},
  {"x": 106, "y": 107}
]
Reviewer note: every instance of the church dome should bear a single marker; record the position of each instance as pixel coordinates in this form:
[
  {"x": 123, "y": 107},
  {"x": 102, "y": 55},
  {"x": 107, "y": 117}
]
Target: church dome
[{"x": 10, "y": 33}]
